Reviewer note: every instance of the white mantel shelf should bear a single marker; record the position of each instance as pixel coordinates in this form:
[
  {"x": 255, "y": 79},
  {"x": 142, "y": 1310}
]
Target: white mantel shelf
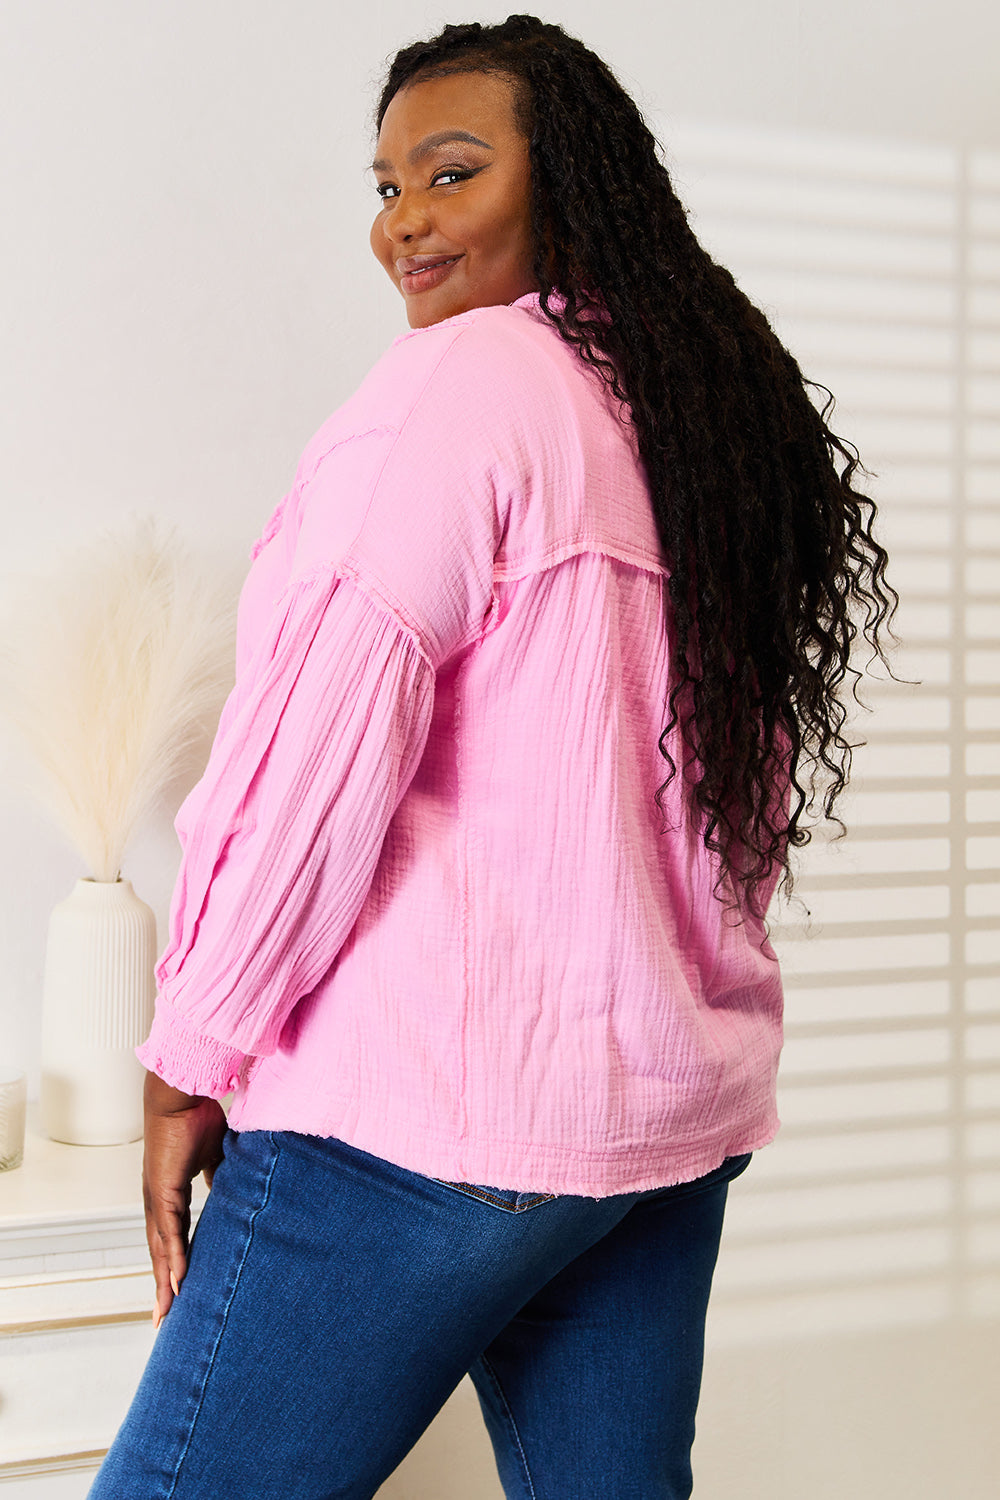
[
  {"x": 60, "y": 1191},
  {"x": 69, "y": 1200}
]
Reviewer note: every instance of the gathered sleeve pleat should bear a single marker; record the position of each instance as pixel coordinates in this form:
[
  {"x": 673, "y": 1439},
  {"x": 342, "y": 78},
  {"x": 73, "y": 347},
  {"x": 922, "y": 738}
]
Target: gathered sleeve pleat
[{"x": 280, "y": 838}]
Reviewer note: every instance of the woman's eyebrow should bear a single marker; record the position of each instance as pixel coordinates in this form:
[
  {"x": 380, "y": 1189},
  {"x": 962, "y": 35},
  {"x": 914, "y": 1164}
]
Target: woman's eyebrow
[{"x": 428, "y": 144}]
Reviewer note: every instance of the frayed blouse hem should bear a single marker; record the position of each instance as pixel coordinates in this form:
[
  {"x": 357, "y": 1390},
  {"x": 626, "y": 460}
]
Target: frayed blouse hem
[{"x": 599, "y": 1172}]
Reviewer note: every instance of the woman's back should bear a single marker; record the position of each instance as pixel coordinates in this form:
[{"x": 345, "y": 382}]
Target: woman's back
[{"x": 539, "y": 983}]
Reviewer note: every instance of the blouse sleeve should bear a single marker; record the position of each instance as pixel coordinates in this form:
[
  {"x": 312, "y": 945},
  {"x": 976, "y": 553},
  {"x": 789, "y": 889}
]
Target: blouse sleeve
[
  {"x": 386, "y": 548},
  {"x": 316, "y": 746}
]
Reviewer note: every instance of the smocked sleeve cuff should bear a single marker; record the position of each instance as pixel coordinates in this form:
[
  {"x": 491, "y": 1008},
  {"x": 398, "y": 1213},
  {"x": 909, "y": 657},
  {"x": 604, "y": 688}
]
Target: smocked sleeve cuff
[{"x": 189, "y": 1060}]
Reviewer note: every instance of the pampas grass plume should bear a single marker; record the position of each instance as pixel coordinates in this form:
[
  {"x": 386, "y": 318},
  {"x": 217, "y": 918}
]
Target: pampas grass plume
[{"x": 114, "y": 667}]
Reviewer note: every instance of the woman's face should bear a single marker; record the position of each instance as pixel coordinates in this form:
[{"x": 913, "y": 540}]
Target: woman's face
[{"x": 454, "y": 177}]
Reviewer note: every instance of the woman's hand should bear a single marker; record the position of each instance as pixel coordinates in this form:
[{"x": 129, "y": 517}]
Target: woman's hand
[{"x": 183, "y": 1136}]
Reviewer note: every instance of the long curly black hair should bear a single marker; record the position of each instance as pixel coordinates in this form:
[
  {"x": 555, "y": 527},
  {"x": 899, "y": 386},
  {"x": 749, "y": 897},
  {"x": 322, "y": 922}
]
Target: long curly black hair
[{"x": 773, "y": 568}]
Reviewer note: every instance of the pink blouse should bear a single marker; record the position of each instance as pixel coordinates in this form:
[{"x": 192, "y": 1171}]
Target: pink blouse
[{"x": 427, "y": 903}]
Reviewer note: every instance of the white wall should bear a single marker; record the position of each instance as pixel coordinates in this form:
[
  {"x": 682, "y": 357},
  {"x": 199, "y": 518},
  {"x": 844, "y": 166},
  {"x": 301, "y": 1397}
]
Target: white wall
[{"x": 188, "y": 291}]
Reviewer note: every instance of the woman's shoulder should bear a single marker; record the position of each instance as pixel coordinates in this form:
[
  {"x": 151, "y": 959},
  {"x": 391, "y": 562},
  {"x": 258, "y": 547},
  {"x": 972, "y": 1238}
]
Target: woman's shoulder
[
  {"x": 486, "y": 360},
  {"x": 471, "y": 351}
]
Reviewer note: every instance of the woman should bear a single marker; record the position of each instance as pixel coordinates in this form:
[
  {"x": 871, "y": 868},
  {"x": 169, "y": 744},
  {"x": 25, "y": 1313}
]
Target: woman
[{"x": 534, "y": 660}]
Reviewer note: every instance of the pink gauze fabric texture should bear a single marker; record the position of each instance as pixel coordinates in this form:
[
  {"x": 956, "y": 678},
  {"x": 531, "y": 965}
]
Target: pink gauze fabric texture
[{"x": 427, "y": 903}]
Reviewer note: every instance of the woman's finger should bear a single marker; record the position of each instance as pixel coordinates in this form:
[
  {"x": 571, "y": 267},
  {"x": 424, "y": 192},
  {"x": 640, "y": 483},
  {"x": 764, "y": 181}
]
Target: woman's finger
[{"x": 167, "y": 1224}]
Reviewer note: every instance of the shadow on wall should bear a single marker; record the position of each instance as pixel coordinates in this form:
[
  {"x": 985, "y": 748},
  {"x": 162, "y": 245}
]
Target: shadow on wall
[{"x": 879, "y": 1204}]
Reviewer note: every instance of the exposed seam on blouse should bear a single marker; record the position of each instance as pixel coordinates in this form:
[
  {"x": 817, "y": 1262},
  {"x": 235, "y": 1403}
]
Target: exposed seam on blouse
[
  {"x": 272, "y": 525},
  {"x": 344, "y": 572},
  {"x": 397, "y": 434},
  {"x": 562, "y": 552},
  {"x": 348, "y": 437},
  {"x": 466, "y": 922}
]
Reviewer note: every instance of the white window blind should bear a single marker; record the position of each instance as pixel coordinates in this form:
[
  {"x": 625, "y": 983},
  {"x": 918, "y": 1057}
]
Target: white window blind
[{"x": 879, "y": 266}]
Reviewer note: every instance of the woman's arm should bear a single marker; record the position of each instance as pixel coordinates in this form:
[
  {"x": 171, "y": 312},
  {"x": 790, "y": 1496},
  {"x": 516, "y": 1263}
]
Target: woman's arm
[{"x": 282, "y": 835}]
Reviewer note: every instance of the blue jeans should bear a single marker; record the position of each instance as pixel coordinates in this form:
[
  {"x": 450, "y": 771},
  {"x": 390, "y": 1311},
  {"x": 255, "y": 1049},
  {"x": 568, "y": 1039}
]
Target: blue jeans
[{"x": 334, "y": 1301}]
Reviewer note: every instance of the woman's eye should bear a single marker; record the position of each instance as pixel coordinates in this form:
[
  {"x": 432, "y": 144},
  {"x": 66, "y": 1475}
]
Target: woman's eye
[{"x": 384, "y": 188}]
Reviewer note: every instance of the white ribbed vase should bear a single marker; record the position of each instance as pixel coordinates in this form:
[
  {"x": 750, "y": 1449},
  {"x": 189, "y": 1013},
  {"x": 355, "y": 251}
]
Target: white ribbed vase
[{"x": 97, "y": 1006}]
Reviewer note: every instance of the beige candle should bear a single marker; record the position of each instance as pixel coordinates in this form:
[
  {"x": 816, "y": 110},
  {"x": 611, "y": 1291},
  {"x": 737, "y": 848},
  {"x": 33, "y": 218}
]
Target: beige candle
[{"x": 13, "y": 1094}]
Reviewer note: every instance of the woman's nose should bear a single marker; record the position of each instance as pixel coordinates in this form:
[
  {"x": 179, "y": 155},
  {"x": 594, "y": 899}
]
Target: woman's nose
[{"x": 407, "y": 218}]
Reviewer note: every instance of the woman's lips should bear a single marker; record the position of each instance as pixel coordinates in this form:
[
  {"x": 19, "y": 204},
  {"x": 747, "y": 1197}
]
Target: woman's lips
[{"x": 421, "y": 281}]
